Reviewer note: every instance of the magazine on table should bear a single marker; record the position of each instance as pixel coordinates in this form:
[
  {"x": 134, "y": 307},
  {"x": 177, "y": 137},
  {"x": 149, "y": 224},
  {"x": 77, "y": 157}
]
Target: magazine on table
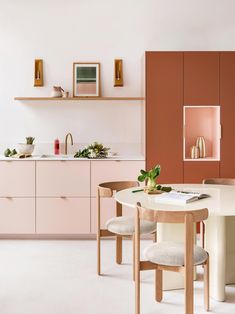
[{"x": 181, "y": 197}]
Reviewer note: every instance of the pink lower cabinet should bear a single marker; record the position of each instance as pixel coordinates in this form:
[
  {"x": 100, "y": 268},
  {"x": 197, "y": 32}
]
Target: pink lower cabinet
[
  {"x": 17, "y": 178},
  {"x": 107, "y": 170},
  {"x": 108, "y": 210},
  {"x": 63, "y": 215},
  {"x": 63, "y": 178},
  {"x": 17, "y": 215}
]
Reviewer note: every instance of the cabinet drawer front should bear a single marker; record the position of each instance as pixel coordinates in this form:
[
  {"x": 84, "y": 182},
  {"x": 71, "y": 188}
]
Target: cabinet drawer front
[
  {"x": 17, "y": 215},
  {"x": 63, "y": 216},
  {"x": 102, "y": 171},
  {"x": 108, "y": 210},
  {"x": 17, "y": 178},
  {"x": 63, "y": 178}
]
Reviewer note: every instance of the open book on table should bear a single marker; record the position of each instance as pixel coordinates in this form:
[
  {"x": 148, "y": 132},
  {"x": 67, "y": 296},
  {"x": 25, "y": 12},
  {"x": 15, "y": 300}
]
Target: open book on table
[{"x": 180, "y": 197}]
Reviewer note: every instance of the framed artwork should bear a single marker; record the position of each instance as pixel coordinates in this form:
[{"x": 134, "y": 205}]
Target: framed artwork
[{"x": 86, "y": 79}]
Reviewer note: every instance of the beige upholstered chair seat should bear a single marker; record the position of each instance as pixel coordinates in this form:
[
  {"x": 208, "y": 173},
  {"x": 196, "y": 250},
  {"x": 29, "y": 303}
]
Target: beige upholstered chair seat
[
  {"x": 172, "y": 254},
  {"x": 124, "y": 225}
]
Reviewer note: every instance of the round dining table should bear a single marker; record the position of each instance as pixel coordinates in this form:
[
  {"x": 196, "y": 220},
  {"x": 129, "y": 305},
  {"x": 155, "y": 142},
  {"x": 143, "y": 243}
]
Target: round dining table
[{"x": 219, "y": 229}]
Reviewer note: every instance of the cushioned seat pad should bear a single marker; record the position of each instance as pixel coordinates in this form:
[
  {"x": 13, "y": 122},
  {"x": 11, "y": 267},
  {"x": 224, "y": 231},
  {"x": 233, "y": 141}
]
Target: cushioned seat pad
[
  {"x": 172, "y": 254},
  {"x": 126, "y": 225}
]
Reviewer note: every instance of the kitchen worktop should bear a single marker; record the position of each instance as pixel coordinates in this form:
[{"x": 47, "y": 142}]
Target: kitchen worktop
[{"x": 71, "y": 158}]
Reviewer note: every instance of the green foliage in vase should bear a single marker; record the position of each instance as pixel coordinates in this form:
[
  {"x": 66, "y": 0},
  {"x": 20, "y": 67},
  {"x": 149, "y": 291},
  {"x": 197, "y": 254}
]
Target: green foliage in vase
[
  {"x": 95, "y": 150},
  {"x": 30, "y": 140}
]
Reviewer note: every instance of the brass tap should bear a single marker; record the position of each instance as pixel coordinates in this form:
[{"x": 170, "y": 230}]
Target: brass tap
[{"x": 66, "y": 142}]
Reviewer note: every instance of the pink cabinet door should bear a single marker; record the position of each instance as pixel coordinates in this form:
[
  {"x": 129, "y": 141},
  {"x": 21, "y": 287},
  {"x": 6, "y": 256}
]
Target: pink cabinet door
[
  {"x": 107, "y": 170},
  {"x": 108, "y": 210},
  {"x": 17, "y": 215},
  {"x": 63, "y": 178},
  {"x": 17, "y": 178},
  {"x": 63, "y": 215}
]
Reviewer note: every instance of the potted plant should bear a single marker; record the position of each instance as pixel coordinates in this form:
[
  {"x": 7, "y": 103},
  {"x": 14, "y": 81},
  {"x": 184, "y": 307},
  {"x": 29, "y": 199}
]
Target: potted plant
[{"x": 28, "y": 147}]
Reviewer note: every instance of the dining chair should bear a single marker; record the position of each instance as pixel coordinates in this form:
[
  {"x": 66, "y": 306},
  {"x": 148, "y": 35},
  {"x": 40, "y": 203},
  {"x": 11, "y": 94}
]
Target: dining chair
[
  {"x": 221, "y": 181},
  {"x": 171, "y": 256},
  {"x": 118, "y": 226}
]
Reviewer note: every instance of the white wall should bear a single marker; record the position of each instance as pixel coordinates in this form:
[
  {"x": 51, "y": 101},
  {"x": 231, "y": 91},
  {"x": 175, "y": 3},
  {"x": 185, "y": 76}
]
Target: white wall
[{"x": 63, "y": 31}]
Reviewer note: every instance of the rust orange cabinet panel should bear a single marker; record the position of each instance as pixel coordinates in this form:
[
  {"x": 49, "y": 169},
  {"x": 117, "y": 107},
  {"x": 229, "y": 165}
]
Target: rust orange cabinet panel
[
  {"x": 201, "y": 78},
  {"x": 196, "y": 171},
  {"x": 164, "y": 115},
  {"x": 227, "y": 100}
]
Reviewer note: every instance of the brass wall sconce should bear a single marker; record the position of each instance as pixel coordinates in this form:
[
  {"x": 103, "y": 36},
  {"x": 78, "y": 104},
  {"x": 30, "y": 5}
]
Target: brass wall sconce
[
  {"x": 118, "y": 73},
  {"x": 38, "y": 72}
]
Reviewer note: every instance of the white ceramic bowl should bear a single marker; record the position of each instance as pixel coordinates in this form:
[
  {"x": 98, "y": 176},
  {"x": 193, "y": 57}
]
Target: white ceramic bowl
[{"x": 25, "y": 148}]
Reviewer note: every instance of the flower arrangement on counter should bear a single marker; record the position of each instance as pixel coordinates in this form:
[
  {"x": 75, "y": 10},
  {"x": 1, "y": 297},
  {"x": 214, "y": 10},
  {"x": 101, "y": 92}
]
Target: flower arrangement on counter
[
  {"x": 151, "y": 176},
  {"x": 95, "y": 150}
]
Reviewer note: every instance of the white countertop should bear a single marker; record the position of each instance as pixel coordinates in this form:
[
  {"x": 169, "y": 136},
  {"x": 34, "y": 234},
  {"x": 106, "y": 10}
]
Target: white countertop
[{"x": 71, "y": 158}]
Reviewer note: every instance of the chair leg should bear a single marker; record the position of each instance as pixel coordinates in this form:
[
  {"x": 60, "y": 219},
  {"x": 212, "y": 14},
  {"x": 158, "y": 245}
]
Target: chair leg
[
  {"x": 118, "y": 249},
  {"x": 158, "y": 285},
  {"x": 206, "y": 285},
  {"x": 133, "y": 252},
  {"x": 155, "y": 236},
  {"x": 98, "y": 254}
]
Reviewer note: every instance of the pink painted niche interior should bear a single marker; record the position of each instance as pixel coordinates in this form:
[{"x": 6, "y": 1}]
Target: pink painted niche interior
[{"x": 202, "y": 121}]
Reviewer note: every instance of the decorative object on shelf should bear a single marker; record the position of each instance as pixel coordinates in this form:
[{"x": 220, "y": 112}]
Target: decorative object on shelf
[
  {"x": 57, "y": 146},
  {"x": 65, "y": 94},
  {"x": 95, "y": 150},
  {"x": 26, "y": 148},
  {"x": 57, "y": 92},
  {"x": 200, "y": 143},
  {"x": 194, "y": 152},
  {"x": 38, "y": 73},
  {"x": 118, "y": 73},
  {"x": 86, "y": 79},
  {"x": 151, "y": 176}
]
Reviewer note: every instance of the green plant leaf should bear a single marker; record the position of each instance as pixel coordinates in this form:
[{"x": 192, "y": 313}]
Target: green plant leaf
[{"x": 141, "y": 178}]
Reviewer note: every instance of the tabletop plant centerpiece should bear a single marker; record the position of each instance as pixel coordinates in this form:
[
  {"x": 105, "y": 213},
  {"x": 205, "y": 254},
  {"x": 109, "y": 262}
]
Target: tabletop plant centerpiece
[
  {"x": 151, "y": 176},
  {"x": 95, "y": 150}
]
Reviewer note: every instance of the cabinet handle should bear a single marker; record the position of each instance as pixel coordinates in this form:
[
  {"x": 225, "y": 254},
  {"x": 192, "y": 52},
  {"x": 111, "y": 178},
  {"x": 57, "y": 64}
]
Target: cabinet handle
[
  {"x": 63, "y": 197},
  {"x": 9, "y": 197}
]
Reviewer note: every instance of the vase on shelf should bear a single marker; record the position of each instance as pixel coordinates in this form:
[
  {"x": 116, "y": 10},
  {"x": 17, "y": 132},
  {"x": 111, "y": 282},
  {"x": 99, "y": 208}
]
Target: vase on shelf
[
  {"x": 201, "y": 144},
  {"x": 194, "y": 152}
]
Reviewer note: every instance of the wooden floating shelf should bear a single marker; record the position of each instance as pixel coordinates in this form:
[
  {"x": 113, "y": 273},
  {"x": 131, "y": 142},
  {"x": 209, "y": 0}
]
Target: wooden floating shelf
[{"x": 77, "y": 98}]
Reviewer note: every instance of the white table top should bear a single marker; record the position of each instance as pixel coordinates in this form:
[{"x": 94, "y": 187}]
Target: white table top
[{"x": 220, "y": 203}]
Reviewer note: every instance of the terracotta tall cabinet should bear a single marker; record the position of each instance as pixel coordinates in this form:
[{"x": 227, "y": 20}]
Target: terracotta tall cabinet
[
  {"x": 164, "y": 115},
  {"x": 198, "y": 86}
]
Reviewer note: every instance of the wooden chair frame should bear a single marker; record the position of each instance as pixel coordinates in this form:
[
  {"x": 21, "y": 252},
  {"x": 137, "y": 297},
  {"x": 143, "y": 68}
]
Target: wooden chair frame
[
  {"x": 107, "y": 190},
  {"x": 221, "y": 181},
  {"x": 189, "y": 218}
]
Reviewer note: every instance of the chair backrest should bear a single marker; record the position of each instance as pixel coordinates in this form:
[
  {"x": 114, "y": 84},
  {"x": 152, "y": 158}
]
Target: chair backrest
[
  {"x": 222, "y": 181},
  {"x": 171, "y": 216},
  {"x": 107, "y": 189}
]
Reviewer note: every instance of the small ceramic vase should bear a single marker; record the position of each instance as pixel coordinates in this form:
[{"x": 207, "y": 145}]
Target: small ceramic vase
[
  {"x": 194, "y": 152},
  {"x": 200, "y": 143}
]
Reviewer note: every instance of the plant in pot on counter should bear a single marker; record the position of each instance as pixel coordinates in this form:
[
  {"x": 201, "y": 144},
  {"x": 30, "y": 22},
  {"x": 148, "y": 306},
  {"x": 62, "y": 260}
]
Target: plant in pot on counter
[
  {"x": 151, "y": 176},
  {"x": 28, "y": 147},
  {"x": 95, "y": 150}
]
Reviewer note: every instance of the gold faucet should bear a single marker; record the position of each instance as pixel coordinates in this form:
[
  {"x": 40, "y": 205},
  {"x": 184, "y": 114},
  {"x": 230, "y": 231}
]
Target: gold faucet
[{"x": 66, "y": 142}]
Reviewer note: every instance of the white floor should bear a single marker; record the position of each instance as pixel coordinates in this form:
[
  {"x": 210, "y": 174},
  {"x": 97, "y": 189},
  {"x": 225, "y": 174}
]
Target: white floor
[{"x": 59, "y": 277}]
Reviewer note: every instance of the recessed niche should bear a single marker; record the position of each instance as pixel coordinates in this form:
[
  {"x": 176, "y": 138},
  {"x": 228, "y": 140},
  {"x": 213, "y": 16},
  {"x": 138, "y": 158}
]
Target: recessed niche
[{"x": 202, "y": 121}]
